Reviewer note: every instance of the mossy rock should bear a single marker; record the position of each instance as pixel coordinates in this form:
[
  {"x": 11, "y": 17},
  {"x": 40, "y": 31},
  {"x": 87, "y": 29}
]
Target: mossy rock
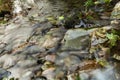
[{"x": 116, "y": 11}]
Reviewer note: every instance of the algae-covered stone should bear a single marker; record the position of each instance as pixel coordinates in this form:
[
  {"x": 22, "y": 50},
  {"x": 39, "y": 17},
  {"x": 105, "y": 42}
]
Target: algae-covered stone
[{"x": 116, "y": 11}]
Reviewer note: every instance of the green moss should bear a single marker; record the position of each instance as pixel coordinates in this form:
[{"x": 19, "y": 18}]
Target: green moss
[
  {"x": 3, "y": 22},
  {"x": 78, "y": 77},
  {"x": 1, "y": 2},
  {"x": 89, "y": 3},
  {"x": 103, "y": 1}
]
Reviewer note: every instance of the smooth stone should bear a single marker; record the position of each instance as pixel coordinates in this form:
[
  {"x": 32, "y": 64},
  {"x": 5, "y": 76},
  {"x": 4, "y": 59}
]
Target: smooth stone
[
  {"x": 27, "y": 75},
  {"x": 16, "y": 72},
  {"x": 49, "y": 73},
  {"x": 26, "y": 63},
  {"x": 77, "y": 39}
]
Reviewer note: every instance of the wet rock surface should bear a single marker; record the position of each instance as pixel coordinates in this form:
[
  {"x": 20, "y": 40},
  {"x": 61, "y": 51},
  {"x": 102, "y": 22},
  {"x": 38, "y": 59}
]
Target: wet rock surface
[
  {"x": 115, "y": 12},
  {"x": 39, "y": 50}
]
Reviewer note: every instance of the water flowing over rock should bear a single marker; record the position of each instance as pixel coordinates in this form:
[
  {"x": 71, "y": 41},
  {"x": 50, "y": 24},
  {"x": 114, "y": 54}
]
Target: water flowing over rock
[{"x": 33, "y": 48}]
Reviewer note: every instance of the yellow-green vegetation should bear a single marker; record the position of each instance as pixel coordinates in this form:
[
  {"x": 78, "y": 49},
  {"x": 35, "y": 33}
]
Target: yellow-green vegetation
[
  {"x": 113, "y": 37},
  {"x": 102, "y": 1},
  {"x": 89, "y": 3},
  {"x": 61, "y": 18},
  {"x": 91, "y": 6},
  {"x": 78, "y": 77},
  {"x": 103, "y": 63},
  {"x": 3, "y": 22}
]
